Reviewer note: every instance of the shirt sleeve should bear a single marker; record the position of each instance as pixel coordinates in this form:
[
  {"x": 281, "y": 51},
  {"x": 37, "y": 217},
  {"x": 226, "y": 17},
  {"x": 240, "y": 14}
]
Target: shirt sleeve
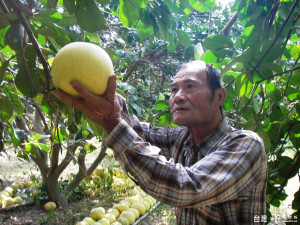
[{"x": 220, "y": 176}]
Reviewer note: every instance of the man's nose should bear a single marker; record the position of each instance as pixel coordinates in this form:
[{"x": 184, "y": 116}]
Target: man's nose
[{"x": 180, "y": 96}]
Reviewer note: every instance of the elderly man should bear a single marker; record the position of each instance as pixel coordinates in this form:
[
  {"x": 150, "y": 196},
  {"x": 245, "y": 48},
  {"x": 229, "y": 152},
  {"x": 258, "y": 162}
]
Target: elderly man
[{"x": 211, "y": 172}]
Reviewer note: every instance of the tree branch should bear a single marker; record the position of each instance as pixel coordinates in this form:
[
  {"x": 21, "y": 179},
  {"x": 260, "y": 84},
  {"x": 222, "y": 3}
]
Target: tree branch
[
  {"x": 231, "y": 22},
  {"x": 15, "y": 4},
  {"x": 82, "y": 172},
  {"x": 279, "y": 33}
]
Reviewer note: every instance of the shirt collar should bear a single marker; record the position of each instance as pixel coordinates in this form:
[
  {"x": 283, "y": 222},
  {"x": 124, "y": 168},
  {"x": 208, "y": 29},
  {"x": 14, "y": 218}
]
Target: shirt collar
[{"x": 207, "y": 145}]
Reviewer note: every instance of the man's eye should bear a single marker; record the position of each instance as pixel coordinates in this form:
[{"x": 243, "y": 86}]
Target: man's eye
[
  {"x": 174, "y": 90},
  {"x": 189, "y": 86}
]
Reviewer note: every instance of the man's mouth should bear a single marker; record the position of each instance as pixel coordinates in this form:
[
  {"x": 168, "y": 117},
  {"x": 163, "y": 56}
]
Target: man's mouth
[{"x": 180, "y": 109}]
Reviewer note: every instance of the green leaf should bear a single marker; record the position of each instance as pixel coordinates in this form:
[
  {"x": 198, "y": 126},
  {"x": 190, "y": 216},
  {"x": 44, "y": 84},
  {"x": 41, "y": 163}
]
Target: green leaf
[
  {"x": 67, "y": 20},
  {"x": 144, "y": 31},
  {"x": 295, "y": 204},
  {"x": 3, "y": 68},
  {"x": 89, "y": 17},
  {"x": 70, "y": 6},
  {"x": 292, "y": 93},
  {"x": 48, "y": 15},
  {"x": 128, "y": 13},
  {"x": 209, "y": 57},
  {"x": 202, "y": 5},
  {"x": 161, "y": 105},
  {"x": 295, "y": 136},
  {"x": 295, "y": 52},
  {"x": 184, "y": 38},
  {"x": 139, "y": 3},
  {"x": 165, "y": 120},
  {"x": 6, "y": 108},
  {"x": 271, "y": 66},
  {"x": 14, "y": 137},
  {"x": 16, "y": 102},
  {"x": 136, "y": 109},
  {"x": 57, "y": 135},
  {"x": 217, "y": 41}
]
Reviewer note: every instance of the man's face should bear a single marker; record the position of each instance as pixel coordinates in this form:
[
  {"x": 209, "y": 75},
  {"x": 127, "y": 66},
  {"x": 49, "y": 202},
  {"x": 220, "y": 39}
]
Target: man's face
[{"x": 191, "y": 100}]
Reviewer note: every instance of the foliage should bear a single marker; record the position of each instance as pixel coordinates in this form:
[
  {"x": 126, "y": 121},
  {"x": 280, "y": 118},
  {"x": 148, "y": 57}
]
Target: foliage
[{"x": 255, "y": 44}]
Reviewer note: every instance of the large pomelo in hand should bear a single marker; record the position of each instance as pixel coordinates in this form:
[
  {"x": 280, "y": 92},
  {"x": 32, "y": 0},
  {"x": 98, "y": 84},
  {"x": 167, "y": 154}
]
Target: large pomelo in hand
[{"x": 84, "y": 62}]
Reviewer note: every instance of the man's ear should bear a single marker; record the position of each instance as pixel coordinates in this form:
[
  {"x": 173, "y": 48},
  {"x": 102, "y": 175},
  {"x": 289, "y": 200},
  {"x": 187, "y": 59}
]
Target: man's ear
[{"x": 221, "y": 96}]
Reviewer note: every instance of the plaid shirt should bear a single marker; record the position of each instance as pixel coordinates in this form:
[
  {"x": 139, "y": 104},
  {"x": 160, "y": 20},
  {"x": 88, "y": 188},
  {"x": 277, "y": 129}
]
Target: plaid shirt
[{"x": 221, "y": 180}]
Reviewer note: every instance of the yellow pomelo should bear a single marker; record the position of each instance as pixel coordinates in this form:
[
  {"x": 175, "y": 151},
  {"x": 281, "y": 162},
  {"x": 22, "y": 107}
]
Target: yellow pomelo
[
  {"x": 89, "y": 220},
  {"x": 123, "y": 221},
  {"x": 28, "y": 183},
  {"x": 121, "y": 207},
  {"x": 129, "y": 215},
  {"x": 97, "y": 213},
  {"x": 110, "y": 217},
  {"x": 140, "y": 207},
  {"x": 14, "y": 186},
  {"x": 82, "y": 223},
  {"x": 143, "y": 194},
  {"x": 134, "y": 191},
  {"x": 116, "y": 223},
  {"x": 138, "y": 197},
  {"x": 84, "y": 62},
  {"x": 149, "y": 201},
  {"x": 17, "y": 200},
  {"x": 9, "y": 191},
  {"x": 125, "y": 202},
  {"x": 3, "y": 195},
  {"x": 98, "y": 170},
  {"x": 146, "y": 204},
  {"x": 8, "y": 201},
  {"x": 114, "y": 212},
  {"x": 135, "y": 211},
  {"x": 96, "y": 223},
  {"x": 132, "y": 200},
  {"x": 50, "y": 206},
  {"x": 104, "y": 221}
]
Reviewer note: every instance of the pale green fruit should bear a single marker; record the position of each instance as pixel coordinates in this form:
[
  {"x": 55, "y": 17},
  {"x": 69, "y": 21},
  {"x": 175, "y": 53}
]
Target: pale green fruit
[
  {"x": 116, "y": 223},
  {"x": 111, "y": 218},
  {"x": 84, "y": 62},
  {"x": 50, "y": 206},
  {"x": 104, "y": 221},
  {"x": 8, "y": 201},
  {"x": 17, "y": 200},
  {"x": 97, "y": 213},
  {"x": 136, "y": 212},
  {"x": 140, "y": 207},
  {"x": 114, "y": 212},
  {"x": 82, "y": 223},
  {"x": 123, "y": 221},
  {"x": 129, "y": 215},
  {"x": 121, "y": 207},
  {"x": 89, "y": 220}
]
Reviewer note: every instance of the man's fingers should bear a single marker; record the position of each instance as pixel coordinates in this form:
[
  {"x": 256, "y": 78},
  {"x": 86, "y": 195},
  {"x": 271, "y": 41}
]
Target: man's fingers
[
  {"x": 111, "y": 88},
  {"x": 67, "y": 99},
  {"x": 83, "y": 92}
]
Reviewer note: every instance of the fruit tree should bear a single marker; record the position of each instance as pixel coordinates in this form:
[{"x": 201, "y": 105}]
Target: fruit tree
[{"x": 255, "y": 44}]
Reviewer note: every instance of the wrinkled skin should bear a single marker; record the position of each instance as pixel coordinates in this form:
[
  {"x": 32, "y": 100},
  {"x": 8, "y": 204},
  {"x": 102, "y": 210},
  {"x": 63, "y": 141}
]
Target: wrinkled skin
[{"x": 103, "y": 110}]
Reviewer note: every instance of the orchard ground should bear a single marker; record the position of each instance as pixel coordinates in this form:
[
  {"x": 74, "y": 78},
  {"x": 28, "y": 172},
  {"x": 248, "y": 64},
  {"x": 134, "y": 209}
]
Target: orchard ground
[{"x": 13, "y": 168}]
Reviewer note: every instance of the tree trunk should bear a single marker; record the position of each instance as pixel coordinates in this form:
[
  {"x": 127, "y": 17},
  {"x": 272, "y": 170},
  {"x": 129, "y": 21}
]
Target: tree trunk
[{"x": 54, "y": 191}]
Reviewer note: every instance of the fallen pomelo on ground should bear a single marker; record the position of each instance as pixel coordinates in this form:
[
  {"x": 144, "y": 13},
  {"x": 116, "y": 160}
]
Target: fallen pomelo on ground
[
  {"x": 50, "y": 206},
  {"x": 84, "y": 62}
]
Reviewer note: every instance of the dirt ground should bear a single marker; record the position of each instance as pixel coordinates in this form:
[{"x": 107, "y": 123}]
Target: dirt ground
[{"x": 12, "y": 168}]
